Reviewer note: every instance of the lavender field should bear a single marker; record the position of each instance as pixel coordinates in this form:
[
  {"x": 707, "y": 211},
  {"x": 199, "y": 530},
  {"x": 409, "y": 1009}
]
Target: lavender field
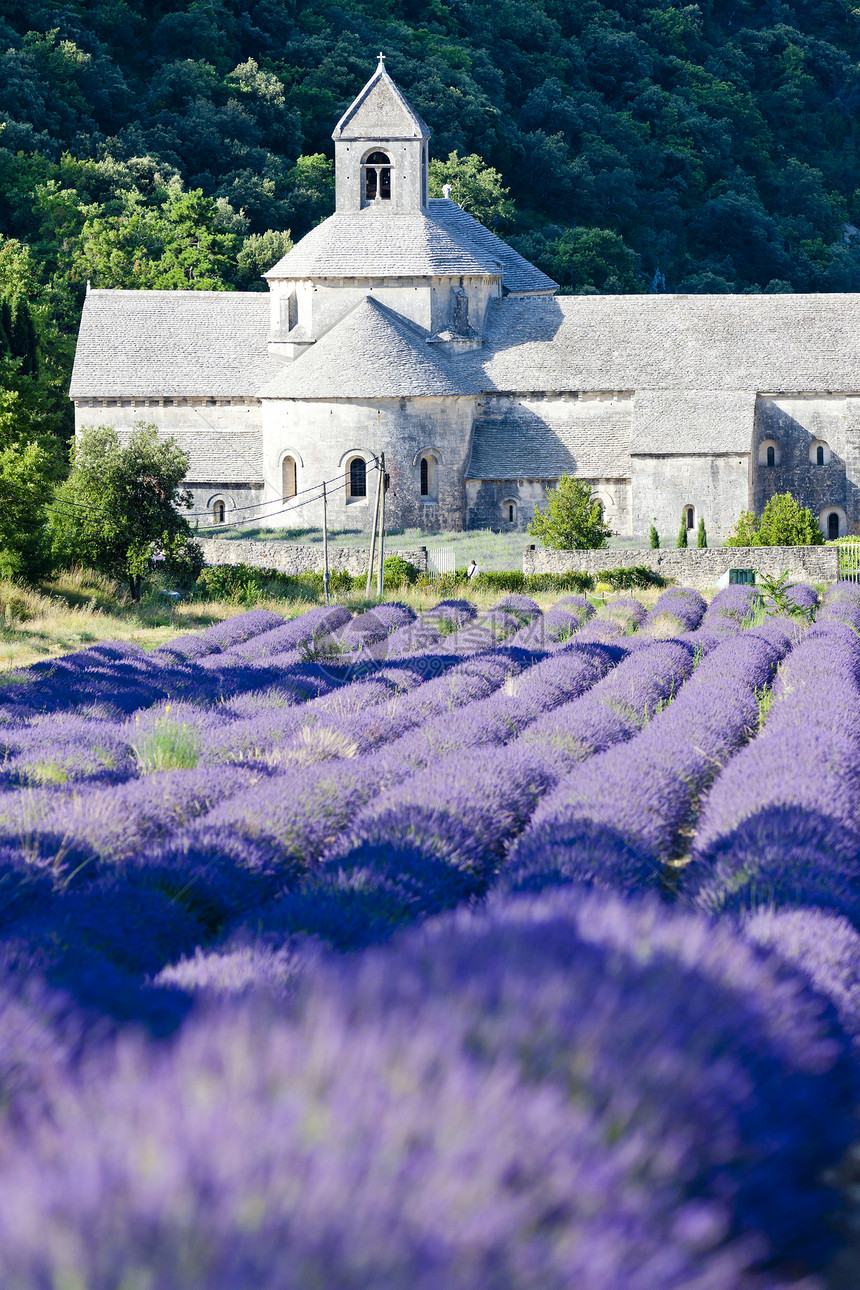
[{"x": 461, "y": 951}]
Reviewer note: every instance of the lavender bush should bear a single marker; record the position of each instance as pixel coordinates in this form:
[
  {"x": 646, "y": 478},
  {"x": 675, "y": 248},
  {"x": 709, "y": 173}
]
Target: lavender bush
[{"x": 524, "y": 1091}]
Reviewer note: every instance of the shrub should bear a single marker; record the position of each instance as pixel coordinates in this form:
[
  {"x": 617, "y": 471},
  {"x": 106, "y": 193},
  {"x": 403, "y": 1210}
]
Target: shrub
[
  {"x": 783, "y": 522},
  {"x": 398, "y": 572}
]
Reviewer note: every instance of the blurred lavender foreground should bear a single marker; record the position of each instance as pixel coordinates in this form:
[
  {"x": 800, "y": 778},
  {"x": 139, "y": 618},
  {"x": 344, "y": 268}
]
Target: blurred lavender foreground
[{"x": 511, "y": 951}]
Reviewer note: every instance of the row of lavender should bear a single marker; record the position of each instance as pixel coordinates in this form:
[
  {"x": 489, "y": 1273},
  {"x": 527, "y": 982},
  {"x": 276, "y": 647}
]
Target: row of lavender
[{"x": 556, "y": 1088}]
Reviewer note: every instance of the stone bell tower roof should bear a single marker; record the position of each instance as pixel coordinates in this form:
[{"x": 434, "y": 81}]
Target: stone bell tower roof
[{"x": 380, "y": 111}]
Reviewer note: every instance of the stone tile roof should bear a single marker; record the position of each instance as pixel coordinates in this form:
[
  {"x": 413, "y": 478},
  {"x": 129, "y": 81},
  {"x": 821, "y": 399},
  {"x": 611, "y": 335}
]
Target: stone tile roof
[
  {"x": 380, "y": 111},
  {"x": 370, "y": 353},
  {"x": 764, "y": 343},
  {"x": 543, "y": 439},
  {"x": 218, "y": 456},
  {"x": 692, "y": 421},
  {"x": 374, "y": 243},
  {"x": 518, "y": 275},
  {"x": 172, "y": 343}
]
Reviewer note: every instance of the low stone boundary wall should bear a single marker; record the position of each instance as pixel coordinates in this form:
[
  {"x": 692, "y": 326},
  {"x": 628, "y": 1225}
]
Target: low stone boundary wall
[
  {"x": 694, "y": 567},
  {"x": 294, "y": 558}
]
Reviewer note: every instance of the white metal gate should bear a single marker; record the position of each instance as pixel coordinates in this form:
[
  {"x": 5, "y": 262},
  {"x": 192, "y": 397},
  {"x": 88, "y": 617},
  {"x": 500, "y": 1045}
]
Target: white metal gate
[
  {"x": 849, "y": 561},
  {"x": 440, "y": 560}
]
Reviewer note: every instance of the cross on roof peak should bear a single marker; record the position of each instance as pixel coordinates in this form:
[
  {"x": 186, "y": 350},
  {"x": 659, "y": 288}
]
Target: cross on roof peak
[{"x": 381, "y": 58}]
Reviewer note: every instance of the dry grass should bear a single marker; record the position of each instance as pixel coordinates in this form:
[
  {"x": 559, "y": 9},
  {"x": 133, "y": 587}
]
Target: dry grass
[{"x": 81, "y": 608}]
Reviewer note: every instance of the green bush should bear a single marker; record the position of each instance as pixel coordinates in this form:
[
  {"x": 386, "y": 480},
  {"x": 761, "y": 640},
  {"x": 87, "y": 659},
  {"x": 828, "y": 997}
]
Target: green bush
[
  {"x": 783, "y": 522},
  {"x": 244, "y": 584},
  {"x": 399, "y": 572}
]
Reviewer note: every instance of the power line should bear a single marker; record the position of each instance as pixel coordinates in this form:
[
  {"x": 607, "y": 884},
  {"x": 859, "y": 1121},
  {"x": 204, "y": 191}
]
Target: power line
[{"x": 311, "y": 488}]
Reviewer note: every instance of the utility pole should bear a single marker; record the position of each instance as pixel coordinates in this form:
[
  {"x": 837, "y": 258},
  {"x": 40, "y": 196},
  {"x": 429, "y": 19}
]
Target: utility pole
[
  {"x": 325, "y": 546},
  {"x": 383, "y": 478},
  {"x": 380, "y": 469}
]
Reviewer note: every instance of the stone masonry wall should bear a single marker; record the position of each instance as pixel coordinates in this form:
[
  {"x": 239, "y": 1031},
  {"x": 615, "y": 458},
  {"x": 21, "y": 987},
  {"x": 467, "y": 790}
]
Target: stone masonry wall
[
  {"x": 294, "y": 558},
  {"x": 694, "y": 567}
]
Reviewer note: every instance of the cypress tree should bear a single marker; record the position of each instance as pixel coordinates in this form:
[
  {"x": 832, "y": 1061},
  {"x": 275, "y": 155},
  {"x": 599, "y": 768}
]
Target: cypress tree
[
  {"x": 702, "y": 538},
  {"x": 682, "y": 532},
  {"x": 24, "y": 344},
  {"x": 654, "y": 538}
]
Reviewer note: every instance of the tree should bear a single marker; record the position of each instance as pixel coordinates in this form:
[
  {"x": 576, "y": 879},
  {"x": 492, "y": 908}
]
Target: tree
[
  {"x": 573, "y": 519},
  {"x": 260, "y": 252},
  {"x": 654, "y": 538},
  {"x": 22, "y": 339},
  {"x": 310, "y": 192},
  {"x": 178, "y": 245},
  {"x": 27, "y": 473},
  {"x": 118, "y": 510},
  {"x": 590, "y": 261},
  {"x": 682, "y": 531},
  {"x": 701, "y": 536},
  {"x": 783, "y": 522},
  {"x": 745, "y": 531},
  {"x": 475, "y": 186}
]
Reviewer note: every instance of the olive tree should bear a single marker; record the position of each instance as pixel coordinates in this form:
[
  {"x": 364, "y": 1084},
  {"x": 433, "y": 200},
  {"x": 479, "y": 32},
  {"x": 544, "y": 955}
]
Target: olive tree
[{"x": 120, "y": 509}]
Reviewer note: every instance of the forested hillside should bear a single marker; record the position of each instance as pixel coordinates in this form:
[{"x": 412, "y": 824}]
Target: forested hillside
[{"x": 645, "y": 145}]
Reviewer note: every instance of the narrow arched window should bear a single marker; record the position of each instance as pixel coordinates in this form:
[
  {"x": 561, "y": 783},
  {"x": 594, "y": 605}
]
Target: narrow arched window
[
  {"x": 771, "y": 456},
  {"x": 832, "y": 523},
  {"x": 691, "y": 518},
  {"x": 219, "y": 512},
  {"x": 819, "y": 457},
  {"x": 377, "y": 177},
  {"x": 512, "y": 511},
  {"x": 357, "y": 478},
  {"x": 425, "y": 477},
  {"x": 288, "y": 477}
]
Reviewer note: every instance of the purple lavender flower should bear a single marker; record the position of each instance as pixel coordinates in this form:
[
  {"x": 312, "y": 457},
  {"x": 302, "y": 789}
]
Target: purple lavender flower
[
  {"x": 616, "y": 820},
  {"x": 677, "y": 610}
]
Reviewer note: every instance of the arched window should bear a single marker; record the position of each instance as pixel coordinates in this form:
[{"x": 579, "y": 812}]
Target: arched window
[
  {"x": 819, "y": 453},
  {"x": 428, "y": 478},
  {"x": 512, "y": 512},
  {"x": 691, "y": 517},
  {"x": 357, "y": 477},
  {"x": 769, "y": 453},
  {"x": 288, "y": 477},
  {"x": 832, "y": 524},
  {"x": 819, "y": 461},
  {"x": 376, "y": 171},
  {"x": 219, "y": 512}
]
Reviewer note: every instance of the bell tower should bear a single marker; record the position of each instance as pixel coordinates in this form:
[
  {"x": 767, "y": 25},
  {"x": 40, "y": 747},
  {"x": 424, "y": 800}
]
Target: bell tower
[{"x": 380, "y": 151}]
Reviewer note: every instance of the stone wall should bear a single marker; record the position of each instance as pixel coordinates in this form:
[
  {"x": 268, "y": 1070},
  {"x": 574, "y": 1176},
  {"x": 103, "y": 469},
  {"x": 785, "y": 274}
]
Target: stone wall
[
  {"x": 295, "y": 558},
  {"x": 693, "y": 567},
  {"x": 715, "y": 485},
  {"x": 794, "y": 425},
  {"x": 324, "y": 435}
]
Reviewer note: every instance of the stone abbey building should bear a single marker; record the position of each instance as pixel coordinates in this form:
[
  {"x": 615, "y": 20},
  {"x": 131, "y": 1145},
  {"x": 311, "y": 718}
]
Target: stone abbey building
[{"x": 401, "y": 324}]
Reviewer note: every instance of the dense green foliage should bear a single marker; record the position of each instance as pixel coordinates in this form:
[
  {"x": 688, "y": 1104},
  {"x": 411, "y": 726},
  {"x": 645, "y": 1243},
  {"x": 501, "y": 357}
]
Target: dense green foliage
[
  {"x": 701, "y": 535},
  {"x": 119, "y": 510},
  {"x": 572, "y": 519},
  {"x": 783, "y": 522},
  {"x": 246, "y": 585}
]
